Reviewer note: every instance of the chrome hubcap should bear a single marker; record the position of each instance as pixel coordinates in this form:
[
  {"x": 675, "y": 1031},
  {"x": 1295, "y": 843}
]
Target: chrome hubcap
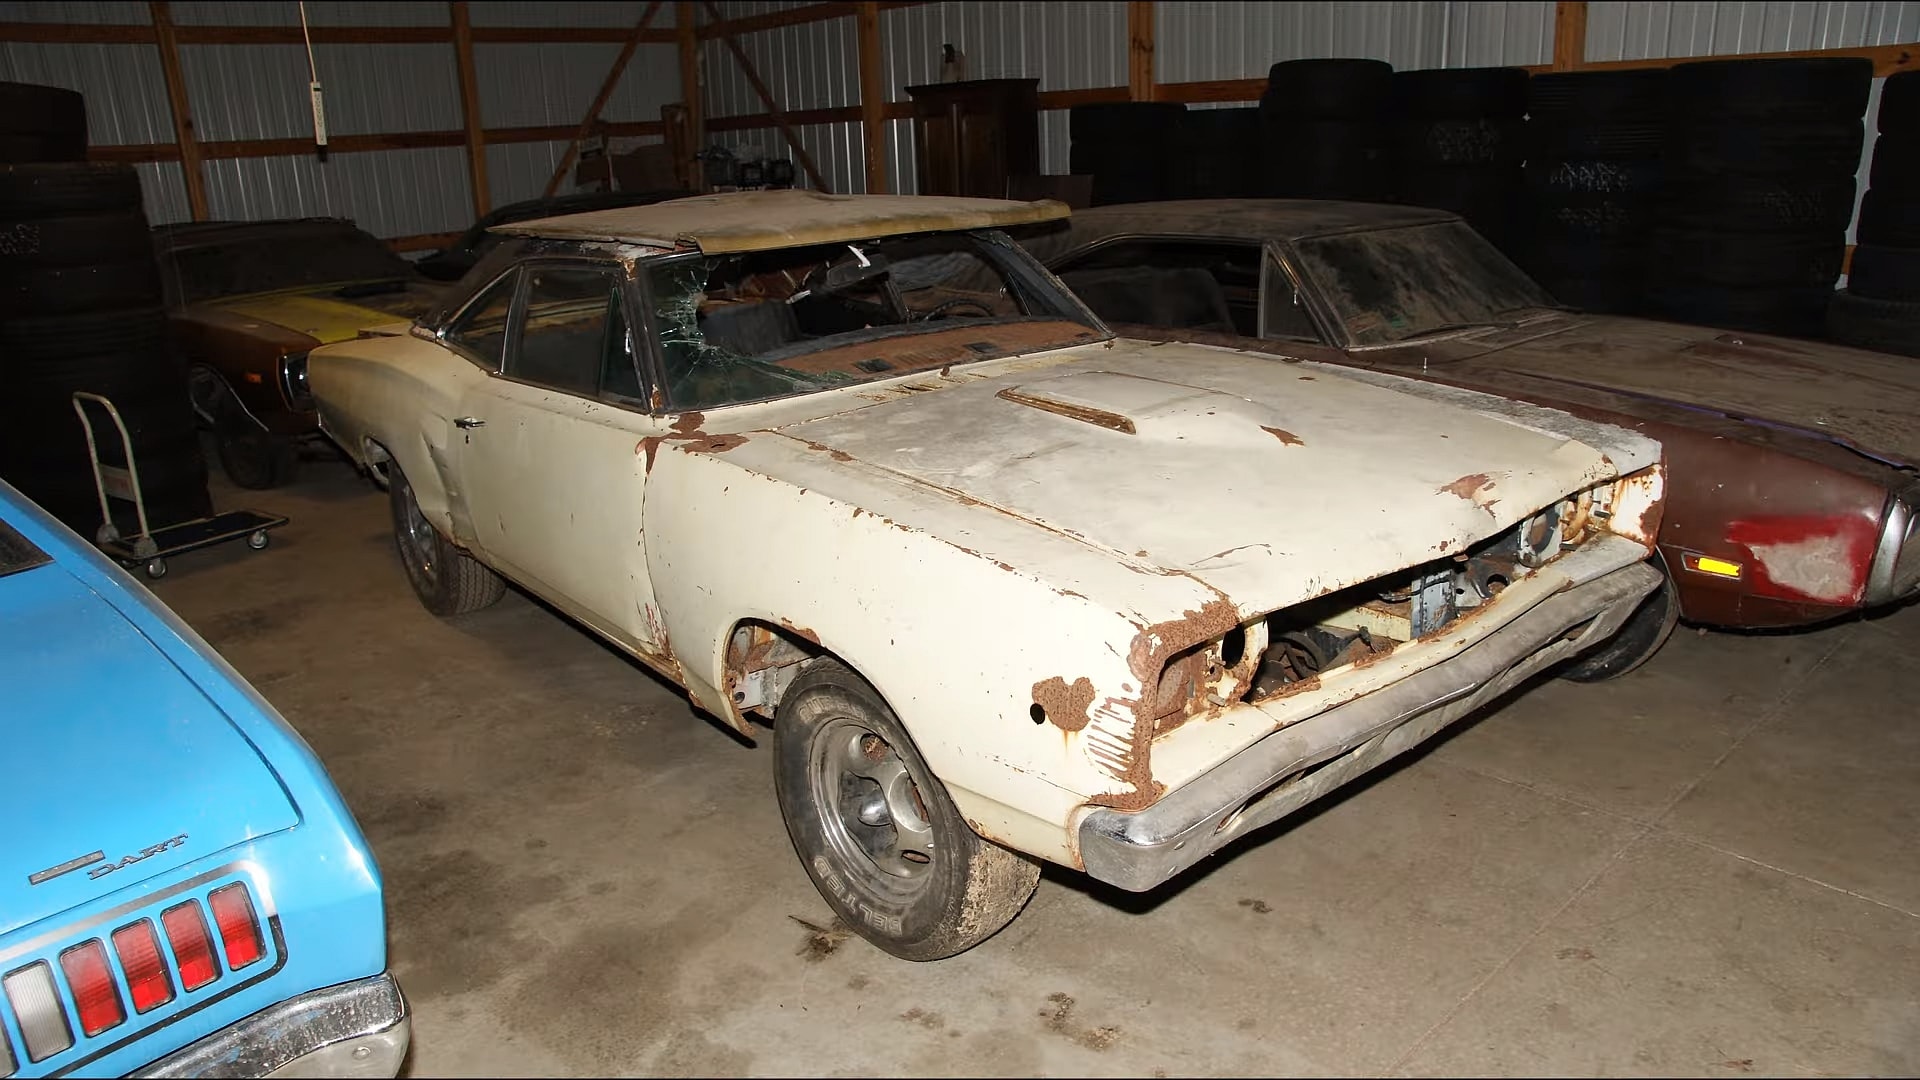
[
  {"x": 872, "y": 808},
  {"x": 418, "y": 540}
]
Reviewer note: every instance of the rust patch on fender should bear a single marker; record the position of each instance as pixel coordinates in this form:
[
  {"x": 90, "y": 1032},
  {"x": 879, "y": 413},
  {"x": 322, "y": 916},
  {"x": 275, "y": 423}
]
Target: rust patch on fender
[
  {"x": 1466, "y": 486},
  {"x": 1066, "y": 706},
  {"x": 649, "y": 446},
  {"x": 711, "y": 444},
  {"x": 1287, "y": 438},
  {"x": 800, "y": 631},
  {"x": 689, "y": 422}
]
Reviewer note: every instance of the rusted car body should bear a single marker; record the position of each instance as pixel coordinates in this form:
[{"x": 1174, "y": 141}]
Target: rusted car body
[
  {"x": 859, "y": 467},
  {"x": 1792, "y": 493},
  {"x": 248, "y": 300}
]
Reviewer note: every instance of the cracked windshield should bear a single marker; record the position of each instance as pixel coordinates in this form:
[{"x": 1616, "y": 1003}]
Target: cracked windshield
[
  {"x": 739, "y": 328},
  {"x": 1392, "y": 285}
]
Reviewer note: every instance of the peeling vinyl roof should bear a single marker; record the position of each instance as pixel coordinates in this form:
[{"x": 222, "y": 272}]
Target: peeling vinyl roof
[{"x": 764, "y": 220}]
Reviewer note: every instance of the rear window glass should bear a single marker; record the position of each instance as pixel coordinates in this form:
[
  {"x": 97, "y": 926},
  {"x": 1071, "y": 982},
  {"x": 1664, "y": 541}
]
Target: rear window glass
[{"x": 17, "y": 553}]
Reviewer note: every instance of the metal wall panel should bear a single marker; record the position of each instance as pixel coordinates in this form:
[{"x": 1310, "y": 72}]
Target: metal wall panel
[
  {"x": 519, "y": 171},
  {"x": 1068, "y": 45},
  {"x": 810, "y": 66},
  {"x": 319, "y": 13},
  {"x": 1213, "y": 39},
  {"x": 164, "y": 189},
  {"x": 105, "y": 12},
  {"x": 533, "y": 85},
  {"x": 1641, "y": 30},
  {"x": 389, "y": 192},
  {"x": 260, "y": 91},
  {"x": 603, "y": 13},
  {"x": 125, "y": 90}
]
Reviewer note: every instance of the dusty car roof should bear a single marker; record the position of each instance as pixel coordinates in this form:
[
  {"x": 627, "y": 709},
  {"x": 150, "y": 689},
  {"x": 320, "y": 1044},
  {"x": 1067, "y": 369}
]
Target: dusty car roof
[
  {"x": 1239, "y": 219},
  {"x": 764, "y": 220}
]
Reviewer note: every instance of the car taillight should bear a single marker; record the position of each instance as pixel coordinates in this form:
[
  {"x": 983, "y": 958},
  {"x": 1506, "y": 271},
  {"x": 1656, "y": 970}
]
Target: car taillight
[
  {"x": 36, "y": 1005},
  {"x": 233, "y": 914},
  {"x": 93, "y": 990},
  {"x": 147, "y": 979},
  {"x": 192, "y": 947}
]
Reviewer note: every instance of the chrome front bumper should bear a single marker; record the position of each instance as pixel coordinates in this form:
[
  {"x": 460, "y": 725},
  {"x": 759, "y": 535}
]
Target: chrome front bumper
[
  {"x": 1302, "y": 762},
  {"x": 356, "y": 1029}
]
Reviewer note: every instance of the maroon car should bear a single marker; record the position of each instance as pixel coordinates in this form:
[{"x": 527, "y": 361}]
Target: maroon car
[{"x": 1791, "y": 490}]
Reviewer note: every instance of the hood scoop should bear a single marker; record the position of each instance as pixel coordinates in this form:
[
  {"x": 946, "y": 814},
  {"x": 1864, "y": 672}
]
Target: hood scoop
[{"x": 1151, "y": 408}]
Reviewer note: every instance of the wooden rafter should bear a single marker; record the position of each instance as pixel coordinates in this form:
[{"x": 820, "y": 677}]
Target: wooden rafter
[
  {"x": 1569, "y": 34},
  {"x": 186, "y": 140},
  {"x": 476, "y": 137},
  {"x": 1140, "y": 41},
  {"x": 774, "y": 112},
  {"x": 600, "y": 99},
  {"x": 873, "y": 97}
]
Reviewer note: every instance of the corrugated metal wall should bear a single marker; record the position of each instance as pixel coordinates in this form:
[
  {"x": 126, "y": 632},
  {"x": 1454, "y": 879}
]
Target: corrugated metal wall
[{"x": 260, "y": 91}]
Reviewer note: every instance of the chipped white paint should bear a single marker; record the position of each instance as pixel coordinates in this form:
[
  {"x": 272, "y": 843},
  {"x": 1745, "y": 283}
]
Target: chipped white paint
[{"x": 958, "y": 546}]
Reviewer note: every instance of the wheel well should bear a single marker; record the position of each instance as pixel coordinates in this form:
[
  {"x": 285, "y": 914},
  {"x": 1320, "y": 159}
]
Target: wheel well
[{"x": 763, "y": 658}]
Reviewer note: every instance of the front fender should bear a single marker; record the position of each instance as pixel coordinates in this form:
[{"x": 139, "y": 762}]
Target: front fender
[{"x": 961, "y": 640}]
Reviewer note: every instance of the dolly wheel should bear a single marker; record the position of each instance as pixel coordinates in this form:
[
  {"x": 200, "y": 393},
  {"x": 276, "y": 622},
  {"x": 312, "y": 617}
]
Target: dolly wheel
[
  {"x": 258, "y": 540},
  {"x": 156, "y": 568}
]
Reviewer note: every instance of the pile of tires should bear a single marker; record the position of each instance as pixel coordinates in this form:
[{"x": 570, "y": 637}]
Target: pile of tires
[
  {"x": 80, "y": 309},
  {"x": 1126, "y": 148},
  {"x": 1880, "y": 307},
  {"x": 1458, "y": 144},
  {"x": 1215, "y": 154},
  {"x": 1760, "y": 159},
  {"x": 1323, "y": 130},
  {"x": 1593, "y": 174},
  {"x": 41, "y": 123}
]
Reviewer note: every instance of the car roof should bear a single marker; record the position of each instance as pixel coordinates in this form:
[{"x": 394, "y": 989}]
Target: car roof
[
  {"x": 1229, "y": 219},
  {"x": 190, "y": 234},
  {"x": 766, "y": 220}
]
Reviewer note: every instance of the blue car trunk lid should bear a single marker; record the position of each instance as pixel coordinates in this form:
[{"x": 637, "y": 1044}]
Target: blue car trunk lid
[{"x": 115, "y": 764}]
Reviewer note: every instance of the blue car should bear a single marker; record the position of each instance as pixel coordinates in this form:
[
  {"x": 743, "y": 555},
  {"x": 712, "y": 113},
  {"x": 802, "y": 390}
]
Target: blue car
[{"x": 182, "y": 891}]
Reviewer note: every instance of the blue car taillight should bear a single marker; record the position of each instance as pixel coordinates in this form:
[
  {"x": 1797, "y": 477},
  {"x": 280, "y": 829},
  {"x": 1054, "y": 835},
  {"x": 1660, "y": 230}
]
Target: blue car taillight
[
  {"x": 147, "y": 980},
  {"x": 94, "y": 994}
]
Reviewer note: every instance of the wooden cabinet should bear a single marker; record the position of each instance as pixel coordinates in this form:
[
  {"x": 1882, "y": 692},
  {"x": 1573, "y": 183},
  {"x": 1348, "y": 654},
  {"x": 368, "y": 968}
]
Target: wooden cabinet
[{"x": 969, "y": 137}]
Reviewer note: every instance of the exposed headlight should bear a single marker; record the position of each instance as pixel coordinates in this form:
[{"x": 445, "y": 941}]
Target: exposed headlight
[{"x": 293, "y": 378}]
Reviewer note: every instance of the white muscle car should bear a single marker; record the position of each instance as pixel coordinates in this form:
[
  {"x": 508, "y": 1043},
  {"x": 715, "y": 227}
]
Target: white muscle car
[{"x": 1007, "y": 589}]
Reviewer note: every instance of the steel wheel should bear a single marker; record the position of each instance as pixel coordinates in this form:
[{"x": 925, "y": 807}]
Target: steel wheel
[
  {"x": 874, "y": 815},
  {"x": 419, "y": 544}
]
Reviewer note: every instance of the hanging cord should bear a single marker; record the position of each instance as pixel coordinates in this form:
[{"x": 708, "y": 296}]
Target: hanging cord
[{"x": 313, "y": 87}]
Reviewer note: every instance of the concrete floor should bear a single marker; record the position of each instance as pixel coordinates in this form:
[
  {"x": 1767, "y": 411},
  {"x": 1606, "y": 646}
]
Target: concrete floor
[{"x": 1709, "y": 867}]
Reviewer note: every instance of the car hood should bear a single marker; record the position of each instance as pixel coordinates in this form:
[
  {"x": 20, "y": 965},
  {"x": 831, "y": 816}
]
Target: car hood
[
  {"x": 110, "y": 748},
  {"x": 1861, "y": 399},
  {"x": 325, "y": 315},
  {"x": 1270, "y": 482}
]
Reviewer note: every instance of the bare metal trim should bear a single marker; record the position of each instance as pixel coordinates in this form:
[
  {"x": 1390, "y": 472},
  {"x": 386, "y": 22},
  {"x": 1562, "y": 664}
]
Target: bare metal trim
[
  {"x": 1897, "y": 525},
  {"x": 255, "y": 876},
  {"x": 359, "y": 1028},
  {"x": 67, "y": 867}
]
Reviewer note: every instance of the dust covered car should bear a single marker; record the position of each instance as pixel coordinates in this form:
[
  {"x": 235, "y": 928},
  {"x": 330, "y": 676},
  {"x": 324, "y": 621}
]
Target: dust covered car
[
  {"x": 1006, "y": 588},
  {"x": 1792, "y": 496},
  {"x": 247, "y": 300}
]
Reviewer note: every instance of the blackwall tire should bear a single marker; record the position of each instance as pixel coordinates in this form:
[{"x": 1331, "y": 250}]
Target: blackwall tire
[
  {"x": 1642, "y": 635},
  {"x": 876, "y": 831},
  {"x": 447, "y": 580}
]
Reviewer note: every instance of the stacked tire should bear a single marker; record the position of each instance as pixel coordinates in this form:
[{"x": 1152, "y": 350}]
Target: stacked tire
[
  {"x": 1324, "y": 132},
  {"x": 1880, "y": 307},
  {"x": 1593, "y": 173},
  {"x": 41, "y": 123},
  {"x": 1761, "y": 156},
  {"x": 1459, "y": 144},
  {"x": 1214, "y": 154},
  {"x": 1125, "y": 147},
  {"x": 80, "y": 309}
]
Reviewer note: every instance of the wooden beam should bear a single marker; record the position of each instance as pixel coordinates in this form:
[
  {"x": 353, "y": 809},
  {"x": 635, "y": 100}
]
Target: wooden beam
[
  {"x": 873, "y": 97},
  {"x": 135, "y": 34},
  {"x": 422, "y": 241},
  {"x": 135, "y": 153},
  {"x": 565, "y": 35},
  {"x": 1569, "y": 34},
  {"x": 1140, "y": 39},
  {"x": 186, "y": 140},
  {"x": 774, "y": 112},
  {"x": 1887, "y": 59},
  {"x": 607, "y": 84},
  {"x": 685, "y": 16},
  {"x": 793, "y": 16},
  {"x": 470, "y": 107}
]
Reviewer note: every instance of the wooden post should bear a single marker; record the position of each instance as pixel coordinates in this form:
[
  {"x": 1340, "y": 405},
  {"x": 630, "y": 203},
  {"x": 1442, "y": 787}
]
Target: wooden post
[
  {"x": 1140, "y": 38},
  {"x": 774, "y": 112},
  {"x": 685, "y": 15},
  {"x": 600, "y": 100},
  {"x": 1569, "y": 35},
  {"x": 873, "y": 97},
  {"x": 183, "y": 133},
  {"x": 470, "y": 107}
]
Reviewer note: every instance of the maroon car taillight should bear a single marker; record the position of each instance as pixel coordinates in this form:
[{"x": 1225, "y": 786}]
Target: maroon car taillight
[
  {"x": 147, "y": 980},
  {"x": 192, "y": 946},
  {"x": 239, "y": 932},
  {"x": 94, "y": 992}
]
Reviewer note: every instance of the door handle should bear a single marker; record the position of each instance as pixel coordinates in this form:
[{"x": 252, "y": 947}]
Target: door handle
[{"x": 469, "y": 422}]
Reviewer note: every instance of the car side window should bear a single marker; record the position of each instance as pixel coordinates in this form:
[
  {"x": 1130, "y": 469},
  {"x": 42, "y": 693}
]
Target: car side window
[
  {"x": 573, "y": 334},
  {"x": 1171, "y": 284},
  {"x": 481, "y": 330},
  {"x": 1283, "y": 312}
]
